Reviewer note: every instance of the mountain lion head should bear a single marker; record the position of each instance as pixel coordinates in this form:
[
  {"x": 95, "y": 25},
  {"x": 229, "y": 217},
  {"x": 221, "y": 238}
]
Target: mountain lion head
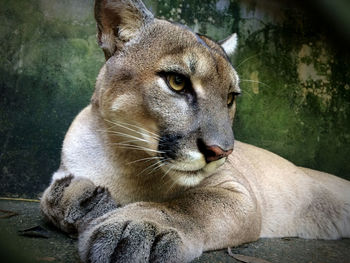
[{"x": 165, "y": 91}]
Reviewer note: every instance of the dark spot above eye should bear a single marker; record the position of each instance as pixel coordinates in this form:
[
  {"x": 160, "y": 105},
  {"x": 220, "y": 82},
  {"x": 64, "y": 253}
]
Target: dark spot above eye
[{"x": 125, "y": 75}]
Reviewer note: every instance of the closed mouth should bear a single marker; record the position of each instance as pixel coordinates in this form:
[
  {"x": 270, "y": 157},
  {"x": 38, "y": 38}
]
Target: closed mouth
[{"x": 190, "y": 172}]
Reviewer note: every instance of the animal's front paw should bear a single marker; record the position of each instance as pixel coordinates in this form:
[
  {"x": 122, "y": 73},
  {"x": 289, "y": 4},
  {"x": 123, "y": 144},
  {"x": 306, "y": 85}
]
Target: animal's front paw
[
  {"x": 70, "y": 203},
  {"x": 51, "y": 203},
  {"x": 131, "y": 241}
]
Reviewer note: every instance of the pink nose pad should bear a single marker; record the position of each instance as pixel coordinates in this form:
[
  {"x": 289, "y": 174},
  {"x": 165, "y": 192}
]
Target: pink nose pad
[{"x": 214, "y": 153}]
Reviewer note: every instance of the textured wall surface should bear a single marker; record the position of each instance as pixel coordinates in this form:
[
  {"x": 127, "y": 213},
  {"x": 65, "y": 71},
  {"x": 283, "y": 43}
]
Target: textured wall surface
[{"x": 294, "y": 74}]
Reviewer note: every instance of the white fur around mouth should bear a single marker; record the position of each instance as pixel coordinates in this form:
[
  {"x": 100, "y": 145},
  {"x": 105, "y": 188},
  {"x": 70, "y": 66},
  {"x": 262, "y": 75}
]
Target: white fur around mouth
[
  {"x": 194, "y": 177},
  {"x": 192, "y": 162}
]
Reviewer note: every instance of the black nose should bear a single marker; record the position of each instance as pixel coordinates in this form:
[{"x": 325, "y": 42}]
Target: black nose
[{"x": 212, "y": 152}]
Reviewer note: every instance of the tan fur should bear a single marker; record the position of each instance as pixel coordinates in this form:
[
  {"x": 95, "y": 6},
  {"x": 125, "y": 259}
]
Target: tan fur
[{"x": 128, "y": 203}]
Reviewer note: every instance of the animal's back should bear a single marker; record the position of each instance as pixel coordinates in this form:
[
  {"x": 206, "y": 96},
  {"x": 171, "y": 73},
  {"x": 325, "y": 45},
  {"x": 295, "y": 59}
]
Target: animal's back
[{"x": 294, "y": 199}]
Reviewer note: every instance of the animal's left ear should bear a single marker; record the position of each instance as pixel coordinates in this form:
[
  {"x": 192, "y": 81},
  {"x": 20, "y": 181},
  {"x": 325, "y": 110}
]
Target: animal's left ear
[{"x": 229, "y": 44}]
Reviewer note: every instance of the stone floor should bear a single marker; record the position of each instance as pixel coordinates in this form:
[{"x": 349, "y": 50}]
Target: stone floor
[{"x": 58, "y": 247}]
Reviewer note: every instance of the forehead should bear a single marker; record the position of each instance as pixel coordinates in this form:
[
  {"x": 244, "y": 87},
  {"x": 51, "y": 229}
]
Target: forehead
[{"x": 191, "y": 54}]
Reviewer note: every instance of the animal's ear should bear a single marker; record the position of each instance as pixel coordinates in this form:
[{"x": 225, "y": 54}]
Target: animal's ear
[
  {"x": 229, "y": 44},
  {"x": 118, "y": 21}
]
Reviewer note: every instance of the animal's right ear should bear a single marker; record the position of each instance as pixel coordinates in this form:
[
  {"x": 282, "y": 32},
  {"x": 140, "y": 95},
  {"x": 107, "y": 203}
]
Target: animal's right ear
[{"x": 118, "y": 21}]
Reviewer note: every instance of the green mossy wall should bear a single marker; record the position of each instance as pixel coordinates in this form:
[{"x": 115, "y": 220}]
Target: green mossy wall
[{"x": 294, "y": 76}]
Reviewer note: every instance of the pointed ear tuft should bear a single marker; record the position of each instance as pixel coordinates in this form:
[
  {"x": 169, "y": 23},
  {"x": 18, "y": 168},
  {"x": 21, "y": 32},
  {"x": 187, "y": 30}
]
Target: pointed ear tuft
[
  {"x": 118, "y": 21},
  {"x": 229, "y": 44}
]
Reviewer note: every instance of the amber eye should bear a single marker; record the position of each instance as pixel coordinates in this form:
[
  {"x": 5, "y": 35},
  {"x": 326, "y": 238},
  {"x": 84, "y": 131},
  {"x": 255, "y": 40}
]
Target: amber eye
[
  {"x": 230, "y": 98},
  {"x": 176, "y": 81}
]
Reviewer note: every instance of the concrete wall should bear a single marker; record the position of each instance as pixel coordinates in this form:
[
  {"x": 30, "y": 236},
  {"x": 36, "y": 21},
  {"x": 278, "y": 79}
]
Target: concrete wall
[{"x": 293, "y": 61}]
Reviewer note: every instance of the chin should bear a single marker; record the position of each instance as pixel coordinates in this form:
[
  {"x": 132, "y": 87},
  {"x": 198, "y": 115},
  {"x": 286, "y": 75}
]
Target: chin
[{"x": 188, "y": 179}]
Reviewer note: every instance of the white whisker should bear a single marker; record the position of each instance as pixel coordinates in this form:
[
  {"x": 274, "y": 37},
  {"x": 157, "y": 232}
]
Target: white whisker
[
  {"x": 128, "y": 136},
  {"x": 138, "y": 127},
  {"x": 174, "y": 183},
  {"x": 245, "y": 60},
  {"x": 135, "y": 147},
  {"x": 170, "y": 168},
  {"x": 133, "y": 130},
  {"x": 255, "y": 81},
  {"x": 157, "y": 167},
  {"x": 148, "y": 159},
  {"x": 127, "y": 142},
  {"x": 148, "y": 167}
]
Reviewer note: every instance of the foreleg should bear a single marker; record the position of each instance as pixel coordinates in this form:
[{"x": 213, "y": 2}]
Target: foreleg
[{"x": 177, "y": 231}]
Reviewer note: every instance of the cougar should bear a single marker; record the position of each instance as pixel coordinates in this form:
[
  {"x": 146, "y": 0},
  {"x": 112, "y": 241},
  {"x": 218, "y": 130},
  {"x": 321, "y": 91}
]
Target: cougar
[{"x": 150, "y": 170}]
